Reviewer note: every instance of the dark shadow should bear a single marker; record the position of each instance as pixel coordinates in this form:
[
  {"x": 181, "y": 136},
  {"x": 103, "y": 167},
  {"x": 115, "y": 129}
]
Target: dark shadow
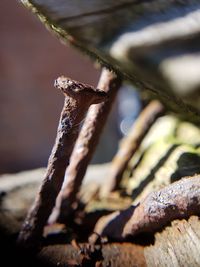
[
  {"x": 142, "y": 239},
  {"x": 152, "y": 173},
  {"x": 122, "y": 190},
  {"x": 118, "y": 224},
  {"x": 169, "y": 14},
  {"x": 137, "y": 163},
  {"x": 85, "y": 227},
  {"x": 11, "y": 255},
  {"x": 197, "y": 146},
  {"x": 188, "y": 165}
]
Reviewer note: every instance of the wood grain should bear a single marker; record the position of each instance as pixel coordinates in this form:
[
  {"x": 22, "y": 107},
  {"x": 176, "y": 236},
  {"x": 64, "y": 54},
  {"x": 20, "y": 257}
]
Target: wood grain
[
  {"x": 177, "y": 246},
  {"x": 153, "y": 43}
]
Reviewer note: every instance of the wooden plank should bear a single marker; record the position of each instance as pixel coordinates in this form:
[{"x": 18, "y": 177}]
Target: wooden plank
[
  {"x": 176, "y": 246},
  {"x": 153, "y": 43}
]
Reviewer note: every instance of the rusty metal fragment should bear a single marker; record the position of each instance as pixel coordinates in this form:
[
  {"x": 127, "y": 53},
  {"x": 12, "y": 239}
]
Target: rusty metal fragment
[{"x": 175, "y": 201}]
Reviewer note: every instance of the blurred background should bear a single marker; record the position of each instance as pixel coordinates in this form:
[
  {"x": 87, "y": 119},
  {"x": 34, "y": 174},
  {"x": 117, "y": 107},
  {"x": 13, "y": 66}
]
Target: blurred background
[{"x": 30, "y": 60}]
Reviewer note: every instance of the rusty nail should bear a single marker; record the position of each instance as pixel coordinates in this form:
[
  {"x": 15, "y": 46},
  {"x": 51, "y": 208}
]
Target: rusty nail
[
  {"x": 130, "y": 143},
  {"x": 78, "y": 98},
  {"x": 85, "y": 145}
]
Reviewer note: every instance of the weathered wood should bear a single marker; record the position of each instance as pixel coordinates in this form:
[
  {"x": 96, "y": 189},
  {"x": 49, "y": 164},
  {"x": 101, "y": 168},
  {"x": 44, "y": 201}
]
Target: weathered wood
[
  {"x": 113, "y": 255},
  {"x": 176, "y": 246},
  {"x": 17, "y": 192},
  {"x": 175, "y": 160},
  {"x": 153, "y": 43}
]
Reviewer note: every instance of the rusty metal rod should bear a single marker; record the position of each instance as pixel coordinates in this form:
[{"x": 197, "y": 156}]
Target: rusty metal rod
[
  {"x": 130, "y": 143},
  {"x": 86, "y": 145},
  {"x": 78, "y": 98},
  {"x": 178, "y": 200}
]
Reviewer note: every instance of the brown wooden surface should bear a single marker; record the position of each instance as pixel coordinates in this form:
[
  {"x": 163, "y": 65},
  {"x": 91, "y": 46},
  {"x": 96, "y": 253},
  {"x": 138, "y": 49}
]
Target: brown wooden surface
[{"x": 176, "y": 245}]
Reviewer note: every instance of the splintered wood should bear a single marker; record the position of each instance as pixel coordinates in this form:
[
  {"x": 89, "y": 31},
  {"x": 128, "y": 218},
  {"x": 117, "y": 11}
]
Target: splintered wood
[{"x": 176, "y": 246}]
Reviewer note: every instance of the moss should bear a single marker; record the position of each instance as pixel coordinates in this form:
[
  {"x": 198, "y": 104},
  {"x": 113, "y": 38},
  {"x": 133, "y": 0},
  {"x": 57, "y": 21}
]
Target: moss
[{"x": 164, "y": 157}]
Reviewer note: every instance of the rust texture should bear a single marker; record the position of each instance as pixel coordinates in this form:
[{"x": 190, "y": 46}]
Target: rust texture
[
  {"x": 176, "y": 201},
  {"x": 114, "y": 255},
  {"x": 85, "y": 145},
  {"x": 78, "y": 98},
  {"x": 130, "y": 143}
]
